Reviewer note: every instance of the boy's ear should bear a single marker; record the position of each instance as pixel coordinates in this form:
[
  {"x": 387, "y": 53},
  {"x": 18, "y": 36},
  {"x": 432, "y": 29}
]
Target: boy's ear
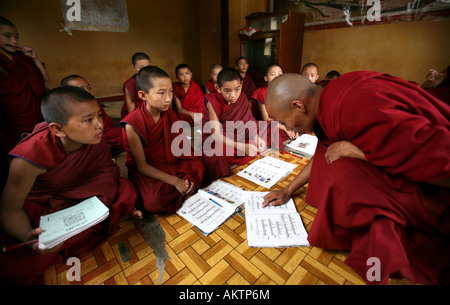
[
  {"x": 142, "y": 94},
  {"x": 265, "y": 78},
  {"x": 57, "y": 129},
  {"x": 216, "y": 87}
]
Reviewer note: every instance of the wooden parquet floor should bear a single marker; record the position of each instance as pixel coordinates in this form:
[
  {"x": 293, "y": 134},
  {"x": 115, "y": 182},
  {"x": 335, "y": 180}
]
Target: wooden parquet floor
[{"x": 222, "y": 258}]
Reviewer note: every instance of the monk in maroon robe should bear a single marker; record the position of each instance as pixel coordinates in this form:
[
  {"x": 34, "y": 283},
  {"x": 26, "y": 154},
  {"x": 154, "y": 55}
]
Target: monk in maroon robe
[
  {"x": 132, "y": 101},
  {"x": 385, "y": 196},
  {"x": 56, "y": 167},
  {"x": 130, "y": 91},
  {"x": 162, "y": 178},
  {"x": 189, "y": 97},
  {"x": 22, "y": 86},
  {"x": 210, "y": 85},
  {"x": 230, "y": 108},
  {"x": 248, "y": 84}
]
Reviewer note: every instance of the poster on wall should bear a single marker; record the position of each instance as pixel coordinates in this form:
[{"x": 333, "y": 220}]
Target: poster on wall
[
  {"x": 95, "y": 15},
  {"x": 363, "y": 12}
]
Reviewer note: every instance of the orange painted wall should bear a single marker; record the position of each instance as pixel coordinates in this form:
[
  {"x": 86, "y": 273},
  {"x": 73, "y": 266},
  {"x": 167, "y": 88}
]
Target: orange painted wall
[
  {"x": 405, "y": 49},
  {"x": 170, "y": 31}
]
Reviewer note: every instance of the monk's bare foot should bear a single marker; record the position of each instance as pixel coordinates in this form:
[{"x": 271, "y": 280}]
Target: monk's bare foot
[{"x": 137, "y": 214}]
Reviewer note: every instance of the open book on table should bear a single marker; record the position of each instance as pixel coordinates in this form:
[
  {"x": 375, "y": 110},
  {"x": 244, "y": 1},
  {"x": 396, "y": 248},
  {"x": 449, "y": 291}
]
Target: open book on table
[
  {"x": 273, "y": 226},
  {"x": 62, "y": 225},
  {"x": 212, "y": 205},
  {"x": 267, "y": 171},
  {"x": 304, "y": 146}
]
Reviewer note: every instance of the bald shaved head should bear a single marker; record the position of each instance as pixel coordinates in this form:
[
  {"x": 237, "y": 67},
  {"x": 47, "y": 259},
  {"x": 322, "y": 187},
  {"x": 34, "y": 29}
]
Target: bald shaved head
[
  {"x": 294, "y": 98},
  {"x": 286, "y": 88}
]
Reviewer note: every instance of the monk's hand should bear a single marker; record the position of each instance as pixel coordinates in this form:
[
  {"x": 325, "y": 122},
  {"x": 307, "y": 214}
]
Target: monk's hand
[
  {"x": 343, "y": 149},
  {"x": 276, "y": 198},
  {"x": 180, "y": 185},
  {"x": 190, "y": 187},
  {"x": 261, "y": 144},
  {"x": 292, "y": 134},
  {"x": 29, "y": 52},
  {"x": 433, "y": 75},
  {"x": 250, "y": 149},
  {"x": 34, "y": 234}
]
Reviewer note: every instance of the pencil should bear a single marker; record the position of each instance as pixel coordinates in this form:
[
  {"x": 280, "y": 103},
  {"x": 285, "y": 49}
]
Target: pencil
[{"x": 6, "y": 249}]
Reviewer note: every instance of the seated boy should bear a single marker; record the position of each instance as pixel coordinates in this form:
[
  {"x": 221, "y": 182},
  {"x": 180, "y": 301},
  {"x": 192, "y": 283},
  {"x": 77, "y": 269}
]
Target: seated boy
[
  {"x": 63, "y": 162},
  {"x": 258, "y": 102},
  {"x": 310, "y": 71},
  {"x": 210, "y": 85},
  {"x": 132, "y": 100},
  {"x": 229, "y": 107},
  {"x": 248, "y": 85},
  {"x": 189, "y": 97},
  {"x": 162, "y": 179},
  {"x": 111, "y": 134}
]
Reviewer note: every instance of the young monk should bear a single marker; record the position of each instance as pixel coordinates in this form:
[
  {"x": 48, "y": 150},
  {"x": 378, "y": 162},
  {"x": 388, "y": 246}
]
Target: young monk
[
  {"x": 210, "y": 85},
  {"x": 258, "y": 102},
  {"x": 311, "y": 71},
  {"x": 111, "y": 134},
  {"x": 230, "y": 105},
  {"x": 132, "y": 100},
  {"x": 189, "y": 97},
  {"x": 389, "y": 198},
  {"x": 162, "y": 179},
  {"x": 63, "y": 162},
  {"x": 22, "y": 85},
  {"x": 248, "y": 85}
]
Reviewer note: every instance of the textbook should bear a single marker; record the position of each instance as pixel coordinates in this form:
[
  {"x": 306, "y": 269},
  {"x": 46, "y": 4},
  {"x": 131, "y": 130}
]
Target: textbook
[
  {"x": 304, "y": 146},
  {"x": 212, "y": 205},
  {"x": 62, "y": 225},
  {"x": 273, "y": 226},
  {"x": 267, "y": 171}
]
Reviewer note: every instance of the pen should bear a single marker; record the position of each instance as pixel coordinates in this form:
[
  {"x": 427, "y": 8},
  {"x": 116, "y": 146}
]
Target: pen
[
  {"x": 6, "y": 249},
  {"x": 215, "y": 202}
]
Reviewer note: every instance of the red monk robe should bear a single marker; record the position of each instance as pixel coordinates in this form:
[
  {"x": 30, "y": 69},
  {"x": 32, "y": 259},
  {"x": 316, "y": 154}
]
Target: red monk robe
[
  {"x": 191, "y": 100},
  {"x": 21, "y": 90},
  {"x": 130, "y": 86},
  {"x": 86, "y": 172},
  {"x": 111, "y": 133},
  {"x": 248, "y": 86},
  {"x": 210, "y": 86},
  {"x": 158, "y": 196},
  {"x": 378, "y": 208},
  {"x": 259, "y": 97},
  {"x": 236, "y": 112}
]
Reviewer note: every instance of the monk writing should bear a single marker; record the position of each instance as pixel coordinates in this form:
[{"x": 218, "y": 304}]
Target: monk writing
[{"x": 380, "y": 176}]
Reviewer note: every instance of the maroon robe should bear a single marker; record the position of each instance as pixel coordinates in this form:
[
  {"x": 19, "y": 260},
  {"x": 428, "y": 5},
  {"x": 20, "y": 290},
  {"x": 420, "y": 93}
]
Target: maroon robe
[
  {"x": 259, "y": 97},
  {"x": 130, "y": 86},
  {"x": 380, "y": 208},
  {"x": 248, "y": 85},
  {"x": 21, "y": 90},
  {"x": 236, "y": 112},
  {"x": 111, "y": 133},
  {"x": 70, "y": 179},
  {"x": 158, "y": 196},
  {"x": 191, "y": 100},
  {"x": 210, "y": 86}
]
